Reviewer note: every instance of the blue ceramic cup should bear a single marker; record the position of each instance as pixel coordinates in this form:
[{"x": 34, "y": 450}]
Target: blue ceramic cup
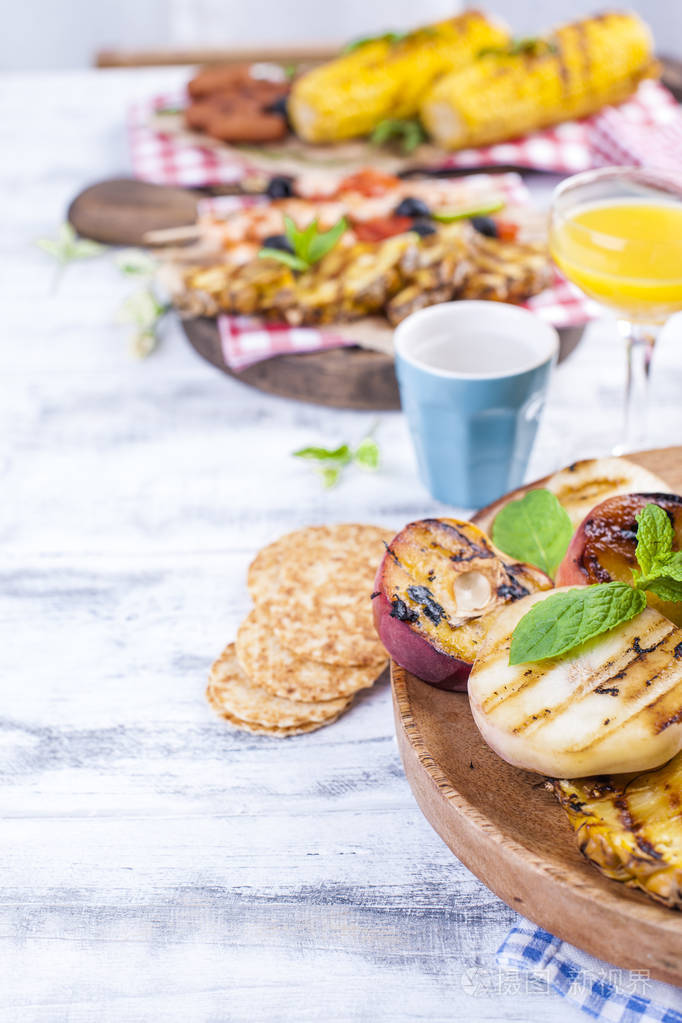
[{"x": 473, "y": 378}]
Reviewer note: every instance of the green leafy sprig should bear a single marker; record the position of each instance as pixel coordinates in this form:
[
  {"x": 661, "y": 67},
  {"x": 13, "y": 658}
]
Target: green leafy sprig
[
  {"x": 408, "y": 132},
  {"x": 389, "y": 37},
  {"x": 330, "y": 462},
  {"x": 562, "y": 621},
  {"x": 309, "y": 244},
  {"x": 527, "y": 46},
  {"x": 68, "y": 248}
]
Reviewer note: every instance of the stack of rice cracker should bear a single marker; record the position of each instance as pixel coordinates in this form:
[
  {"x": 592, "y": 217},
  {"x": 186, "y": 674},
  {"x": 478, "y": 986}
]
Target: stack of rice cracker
[{"x": 308, "y": 645}]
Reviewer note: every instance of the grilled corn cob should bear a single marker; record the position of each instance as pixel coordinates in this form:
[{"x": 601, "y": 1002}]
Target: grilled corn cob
[
  {"x": 349, "y": 96},
  {"x": 573, "y": 73},
  {"x": 630, "y": 827}
]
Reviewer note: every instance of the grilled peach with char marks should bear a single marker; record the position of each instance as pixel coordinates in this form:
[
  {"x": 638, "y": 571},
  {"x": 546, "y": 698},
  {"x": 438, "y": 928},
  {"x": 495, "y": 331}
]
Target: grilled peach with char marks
[
  {"x": 436, "y": 585},
  {"x": 613, "y": 704},
  {"x": 603, "y": 547}
]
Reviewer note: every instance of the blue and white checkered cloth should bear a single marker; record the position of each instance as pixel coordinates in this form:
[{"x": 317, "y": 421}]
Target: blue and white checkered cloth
[{"x": 601, "y": 991}]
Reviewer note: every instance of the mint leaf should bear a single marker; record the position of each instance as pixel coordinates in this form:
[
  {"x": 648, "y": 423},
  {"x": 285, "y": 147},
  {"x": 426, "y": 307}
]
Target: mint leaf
[
  {"x": 324, "y": 241},
  {"x": 330, "y": 477},
  {"x": 535, "y": 529},
  {"x": 389, "y": 37},
  {"x": 341, "y": 454},
  {"x": 654, "y": 538},
  {"x": 367, "y": 454},
  {"x": 408, "y": 131},
  {"x": 309, "y": 245},
  {"x": 665, "y": 587},
  {"x": 288, "y": 258},
  {"x": 565, "y": 620}
]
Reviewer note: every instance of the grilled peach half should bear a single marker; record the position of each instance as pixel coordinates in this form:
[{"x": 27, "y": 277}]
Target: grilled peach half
[
  {"x": 603, "y": 546},
  {"x": 437, "y": 584}
]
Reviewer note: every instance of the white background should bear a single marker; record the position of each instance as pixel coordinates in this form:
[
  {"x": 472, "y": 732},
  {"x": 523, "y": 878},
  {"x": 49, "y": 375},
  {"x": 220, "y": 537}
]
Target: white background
[{"x": 49, "y": 34}]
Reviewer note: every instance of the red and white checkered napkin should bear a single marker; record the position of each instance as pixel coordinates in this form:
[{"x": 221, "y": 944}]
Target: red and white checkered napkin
[
  {"x": 629, "y": 135},
  {"x": 171, "y": 159},
  {"x": 246, "y": 340},
  {"x": 580, "y": 145}
]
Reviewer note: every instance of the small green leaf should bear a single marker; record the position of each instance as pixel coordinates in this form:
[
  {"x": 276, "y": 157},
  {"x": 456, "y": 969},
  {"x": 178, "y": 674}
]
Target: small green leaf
[
  {"x": 535, "y": 529},
  {"x": 67, "y": 246},
  {"x": 367, "y": 454},
  {"x": 330, "y": 477},
  {"x": 341, "y": 454},
  {"x": 288, "y": 258},
  {"x": 449, "y": 216},
  {"x": 390, "y": 37},
  {"x": 325, "y": 241},
  {"x": 142, "y": 309},
  {"x": 135, "y": 262},
  {"x": 408, "y": 131},
  {"x": 665, "y": 587},
  {"x": 563, "y": 621},
  {"x": 654, "y": 538}
]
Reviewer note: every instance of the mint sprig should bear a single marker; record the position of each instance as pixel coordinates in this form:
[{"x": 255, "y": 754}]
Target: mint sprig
[
  {"x": 330, "y": 462},
  {"x": 390, "y": 37},
  {"x": 535, "y": 529},
  {"x": 309, "y": 244},
  {"x": 408, "y": 132},
  {"x": 562, "y": 621}
]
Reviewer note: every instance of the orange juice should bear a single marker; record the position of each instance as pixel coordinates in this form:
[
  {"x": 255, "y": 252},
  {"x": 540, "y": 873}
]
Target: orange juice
[{"x": 626, "y": 254}]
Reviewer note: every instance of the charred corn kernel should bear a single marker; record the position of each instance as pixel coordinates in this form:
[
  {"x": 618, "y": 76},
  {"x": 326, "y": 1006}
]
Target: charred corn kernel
[
  {"x": 573, "y": 73},
  {"x": 630, "y": 827},
  {"x": 350, "y": 95}
]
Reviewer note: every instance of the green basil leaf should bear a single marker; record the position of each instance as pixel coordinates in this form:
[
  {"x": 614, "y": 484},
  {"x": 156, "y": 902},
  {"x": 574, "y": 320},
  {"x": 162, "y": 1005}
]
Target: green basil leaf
[
  {"x": 288, "y": 258},
  {"x": 325, "y": 241},
  {"x": 367, "y": 454},
  {"x": 654, "y": 538},
  {"x": 566, "y": 620},
  {"x": 535, "y": 529},
  {"x": 341, "y": 454}
]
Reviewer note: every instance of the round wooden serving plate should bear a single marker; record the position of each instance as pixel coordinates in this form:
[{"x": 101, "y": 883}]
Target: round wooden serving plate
[
  {"x": 506, "y": 828},
  {"x": 121, "y": 212},
  {"x": 354, "y": 378}
]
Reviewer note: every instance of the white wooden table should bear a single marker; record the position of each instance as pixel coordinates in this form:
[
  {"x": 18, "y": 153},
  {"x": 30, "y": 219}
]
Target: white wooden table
[{"x": 155, "y": 864}]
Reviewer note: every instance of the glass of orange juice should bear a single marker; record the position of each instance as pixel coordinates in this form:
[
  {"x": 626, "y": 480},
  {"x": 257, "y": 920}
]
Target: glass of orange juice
[{"x": 617, "y": 234}]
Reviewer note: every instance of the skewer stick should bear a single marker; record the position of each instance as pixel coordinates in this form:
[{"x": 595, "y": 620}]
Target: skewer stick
[{"x": 169, "y": 235}]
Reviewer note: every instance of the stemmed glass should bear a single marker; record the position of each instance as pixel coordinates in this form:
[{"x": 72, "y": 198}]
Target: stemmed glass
[{"x": 617, "y": 234}]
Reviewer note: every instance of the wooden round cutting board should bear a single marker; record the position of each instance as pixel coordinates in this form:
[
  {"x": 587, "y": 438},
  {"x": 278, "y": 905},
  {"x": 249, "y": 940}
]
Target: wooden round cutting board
[
  {"x": 511, "y": 832},
  {"x": 354, "y": 378}
]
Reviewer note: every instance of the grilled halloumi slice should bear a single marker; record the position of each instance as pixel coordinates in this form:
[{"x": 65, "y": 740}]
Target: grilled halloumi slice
[
  {"x": 585, "y": 484},
  {"x": 630, "y": 827},
  {"x": 613, "y": 705}
]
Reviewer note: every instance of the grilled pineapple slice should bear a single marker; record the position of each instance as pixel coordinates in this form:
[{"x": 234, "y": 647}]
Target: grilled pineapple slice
[
  {"x": 630, "y": 827},
  {"x": 614, "y": 705}
]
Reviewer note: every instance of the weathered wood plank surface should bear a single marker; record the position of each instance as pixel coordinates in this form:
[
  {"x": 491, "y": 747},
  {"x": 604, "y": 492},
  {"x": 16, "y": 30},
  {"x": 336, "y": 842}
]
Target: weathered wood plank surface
[{"x": 154, "y": 864}]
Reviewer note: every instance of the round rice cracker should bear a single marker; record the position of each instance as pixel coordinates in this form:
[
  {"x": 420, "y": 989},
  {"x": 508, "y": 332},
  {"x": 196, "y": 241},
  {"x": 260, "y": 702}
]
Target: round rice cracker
[
  {"x": 234, "y": 696},
  {"x": 246, "y": 726},
  {"x": 282, "y": 672},
  {"x": 356, "y": 540},
  {"x": 316, "y": 585}
]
